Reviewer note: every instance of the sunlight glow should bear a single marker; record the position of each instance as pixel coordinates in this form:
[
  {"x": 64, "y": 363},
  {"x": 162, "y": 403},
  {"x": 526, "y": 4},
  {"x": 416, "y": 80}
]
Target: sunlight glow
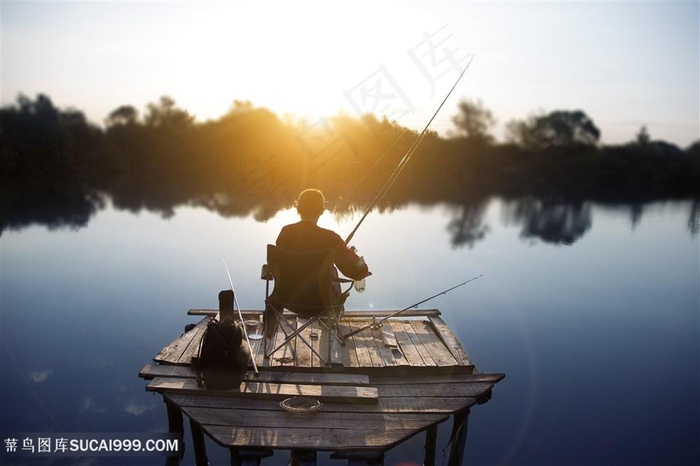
[{"x": 625, "y": 63}]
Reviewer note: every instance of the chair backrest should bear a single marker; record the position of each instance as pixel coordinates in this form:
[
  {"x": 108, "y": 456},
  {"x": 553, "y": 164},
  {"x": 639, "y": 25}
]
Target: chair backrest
[{"x": 303, "y": 280}]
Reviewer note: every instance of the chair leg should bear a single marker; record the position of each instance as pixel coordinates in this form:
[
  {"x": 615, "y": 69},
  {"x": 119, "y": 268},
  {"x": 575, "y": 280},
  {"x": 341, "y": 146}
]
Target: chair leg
[{"x": 274, "y": 320}]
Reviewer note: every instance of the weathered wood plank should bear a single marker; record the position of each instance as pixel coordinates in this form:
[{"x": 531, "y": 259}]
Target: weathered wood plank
[
  {"x": 444, "y": 332},
  {"x": 247, "y": 313},
  {"x": 371, "y": 344},
  {"x": 440, "y": 404},
  {"x": 320, "y": 419},
  {"x": 408, "y": 348},
  {"x": 192, "y": 349},
  {"x": 311, "y": 439},
  {"x": 351, "y": 314},
  {"x": 172, "y": 352},
  {"x": 150, "y": 371},
  {"x": 461, "y": 378},
  {"x": 361, "y": 352},
  {"x": 311, "y": 378},
  {"x": 388, "y": 337},
  {"x": 285, "y": 355},
  {"x": 471, "y": 390},
  {"x": 304, "y": 355},
  {"x": 382, "y": 313},
  {"x": 316, "y": 338},
  {"x": 385, "y": 354},
  {"x": 432, "y": 344},
  {"x": 418, "y": 343},
  {"x": 361, "y": 394}
]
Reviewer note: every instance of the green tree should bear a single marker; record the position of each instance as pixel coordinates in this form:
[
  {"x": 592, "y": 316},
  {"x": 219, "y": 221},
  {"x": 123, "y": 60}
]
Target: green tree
[
  {"x": 557, "y": 129},
  {"x": 474, "y": 121},
  {"x": 123, "y": 115},
  {"x": 643, "y": 138},
  {"x": 165, "y": 114}
]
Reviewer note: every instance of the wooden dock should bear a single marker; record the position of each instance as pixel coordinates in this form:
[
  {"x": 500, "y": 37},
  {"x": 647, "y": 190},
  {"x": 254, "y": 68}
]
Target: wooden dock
[{"x": 385, "y": 386}]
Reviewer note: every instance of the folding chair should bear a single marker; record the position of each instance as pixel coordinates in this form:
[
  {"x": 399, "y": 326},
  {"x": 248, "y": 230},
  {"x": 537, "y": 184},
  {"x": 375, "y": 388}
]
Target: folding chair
[{"x": 306, "y": 284}]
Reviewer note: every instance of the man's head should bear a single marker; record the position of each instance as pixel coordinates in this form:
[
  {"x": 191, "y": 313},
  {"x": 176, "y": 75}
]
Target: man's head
[{"x": 311, "y": 204}]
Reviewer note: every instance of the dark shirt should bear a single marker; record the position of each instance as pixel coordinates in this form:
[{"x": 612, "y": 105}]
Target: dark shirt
[{"x": 306, "y": 236}]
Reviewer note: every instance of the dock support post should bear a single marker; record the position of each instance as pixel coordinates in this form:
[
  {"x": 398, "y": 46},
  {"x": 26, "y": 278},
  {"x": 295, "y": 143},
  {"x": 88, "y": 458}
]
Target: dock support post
[
  {"x": 246, "y": 457},
  {"x": 430, "y": 445},
  {"x": 459, "y": 437},
  {"x": 303, "y": 458},
  {"x": 175, "y": 426},
  {"x": 361, "y": 457},
  {"x": 200, "y": 450}
]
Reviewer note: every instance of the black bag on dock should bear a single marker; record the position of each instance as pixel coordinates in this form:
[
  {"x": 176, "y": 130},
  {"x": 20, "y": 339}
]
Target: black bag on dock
[{"x": 223, "y": 359}]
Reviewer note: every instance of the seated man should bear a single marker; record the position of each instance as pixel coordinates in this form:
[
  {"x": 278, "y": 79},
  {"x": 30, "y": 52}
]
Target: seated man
[{"x": 306, "y": 235}]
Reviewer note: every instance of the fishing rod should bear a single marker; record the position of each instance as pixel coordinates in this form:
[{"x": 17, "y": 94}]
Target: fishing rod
[
  {"x": 344, "y": 198},
  {"x": 404, "y": 160},
  {"x": 240, "y": 315},
  {"x": 375, "y": 324}
]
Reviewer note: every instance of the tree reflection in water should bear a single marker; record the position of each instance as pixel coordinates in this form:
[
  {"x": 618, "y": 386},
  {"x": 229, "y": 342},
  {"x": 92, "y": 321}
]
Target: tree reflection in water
[{"x": 553, "y": 220}]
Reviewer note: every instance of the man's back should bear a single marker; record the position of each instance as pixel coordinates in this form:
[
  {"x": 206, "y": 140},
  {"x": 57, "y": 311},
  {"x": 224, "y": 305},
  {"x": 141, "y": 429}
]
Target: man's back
[{"x": 306, "y": 236}]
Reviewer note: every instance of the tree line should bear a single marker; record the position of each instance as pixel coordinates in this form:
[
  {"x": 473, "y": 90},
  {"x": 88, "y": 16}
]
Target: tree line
[{"x": 252, "y": 161}]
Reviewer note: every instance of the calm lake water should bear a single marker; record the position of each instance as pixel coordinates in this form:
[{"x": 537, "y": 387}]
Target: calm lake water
[{"x": 596, "y": 327}]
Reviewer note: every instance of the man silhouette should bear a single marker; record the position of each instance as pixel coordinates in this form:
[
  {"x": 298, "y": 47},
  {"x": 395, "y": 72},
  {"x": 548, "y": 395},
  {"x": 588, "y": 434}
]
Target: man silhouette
[{"x": 306, "y": 235}]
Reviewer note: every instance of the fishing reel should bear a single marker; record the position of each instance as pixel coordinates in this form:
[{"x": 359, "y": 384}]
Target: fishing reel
[{"x": 375, "y": 324}]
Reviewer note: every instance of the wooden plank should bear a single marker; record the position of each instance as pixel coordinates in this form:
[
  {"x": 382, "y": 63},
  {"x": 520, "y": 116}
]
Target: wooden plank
[
  {"x": 382, "y": 313},
  {"x": 445, "y": 333},
  {"x": 337, "y": 349},
  {"x": 418, "y": 343},
  {"x": 371, "y": 345},
  {"x": 315, "y": 329},
  {"x": 325, "y": 343},
  {"x": 247, "y": 313},
  {"x": 440, "y": 404},
  {"x": 364, "y": 347},
  {"x": 320, "y": 419},
  {"x": 349, "y": 353},
  {"x": 304, "y": 355},
  {"x": 388, "y": 337},
  {"x": 172, "y": 352},
  {"x": 358, "y": 394},
  {"x": 408, "y": 349},
  {"x": 317, "y": 439},
  {"x": 192, "y": 349},
  {"x": 351, "y": 314},
  {"x": 285, "y": 355},
  {"x": 150, "y": 371},
  {"x": 432, "y": 344},
  {"x": 311, "y": 378},
  {"x": 386, "y": 354},
  {"x": 471, "y": 390},
  {"x": 465, "y": 378}
]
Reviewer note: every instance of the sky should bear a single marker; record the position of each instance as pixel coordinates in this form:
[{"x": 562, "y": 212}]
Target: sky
[{"x": 626, "y": 64}]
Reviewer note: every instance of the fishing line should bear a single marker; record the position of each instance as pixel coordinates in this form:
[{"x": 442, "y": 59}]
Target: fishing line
[
  {"x": 375, "y": 324},
  {"x": 240, "y": 315},
  {"x": 404, "y": 160}
]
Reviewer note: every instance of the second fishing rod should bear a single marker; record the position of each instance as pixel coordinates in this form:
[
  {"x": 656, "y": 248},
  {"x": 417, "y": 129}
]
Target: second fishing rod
[{"x": 404, "y": 160}]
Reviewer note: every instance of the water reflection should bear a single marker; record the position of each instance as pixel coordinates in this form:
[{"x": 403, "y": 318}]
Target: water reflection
[
  {"x": 53, "y": 204},
  {"x": 550, "y": 220},
  {"x": 467, "y": 224},
  {"x": 553, "y": 220}
]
